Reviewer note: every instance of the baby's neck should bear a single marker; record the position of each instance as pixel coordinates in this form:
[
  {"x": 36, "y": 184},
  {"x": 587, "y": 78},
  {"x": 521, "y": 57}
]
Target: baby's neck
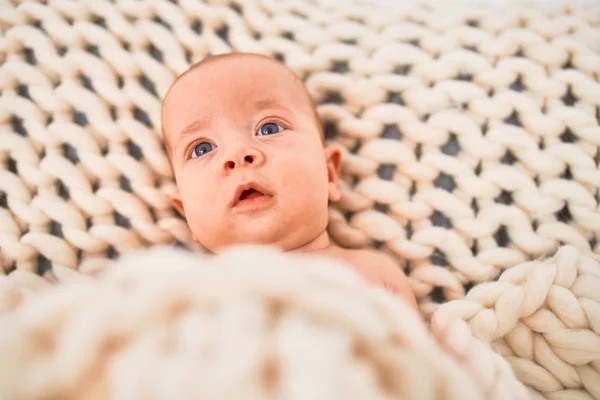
[{"x": 318, "y": 244}]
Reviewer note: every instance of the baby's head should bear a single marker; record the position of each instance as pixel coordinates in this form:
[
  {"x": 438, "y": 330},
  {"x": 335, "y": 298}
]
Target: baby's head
[{"x": 246, "y": 148}]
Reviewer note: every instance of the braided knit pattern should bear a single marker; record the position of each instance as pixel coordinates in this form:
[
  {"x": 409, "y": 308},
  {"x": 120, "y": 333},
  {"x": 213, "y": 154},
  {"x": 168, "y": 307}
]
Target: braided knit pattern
[
  {"x": 249, "y": 324},
  {"x": 470, "y": 133},
  {"x": 542, "y": 316}
]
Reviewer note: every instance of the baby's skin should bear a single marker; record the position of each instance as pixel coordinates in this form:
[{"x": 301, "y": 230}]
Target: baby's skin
[{"x": 247, "y": 151}]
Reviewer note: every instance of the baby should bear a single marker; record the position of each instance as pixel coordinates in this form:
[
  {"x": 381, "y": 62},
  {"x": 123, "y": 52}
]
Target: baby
[{"x": 247, "y": 150}]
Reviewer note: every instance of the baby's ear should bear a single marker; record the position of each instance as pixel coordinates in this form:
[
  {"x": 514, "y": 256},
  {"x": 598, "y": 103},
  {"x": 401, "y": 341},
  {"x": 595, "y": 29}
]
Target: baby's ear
[
  {"x": 333, "y": 158},
  {"x": 177, "y": 203}
]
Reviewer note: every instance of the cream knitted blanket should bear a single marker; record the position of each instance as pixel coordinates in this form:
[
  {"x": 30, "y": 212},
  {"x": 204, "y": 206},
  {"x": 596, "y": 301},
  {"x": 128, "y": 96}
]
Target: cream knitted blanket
[
  {"x": 251, "y": 324},
  {"x": 471, "y": 136},
  {"x": 257, "y": 324}
]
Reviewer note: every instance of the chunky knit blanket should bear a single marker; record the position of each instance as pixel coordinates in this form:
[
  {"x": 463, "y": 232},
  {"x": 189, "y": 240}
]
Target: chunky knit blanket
[{"x": 470, "y": 132}]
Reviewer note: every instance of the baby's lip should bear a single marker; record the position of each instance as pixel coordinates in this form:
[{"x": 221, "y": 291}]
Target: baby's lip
[{"x": 247, "y": 186}]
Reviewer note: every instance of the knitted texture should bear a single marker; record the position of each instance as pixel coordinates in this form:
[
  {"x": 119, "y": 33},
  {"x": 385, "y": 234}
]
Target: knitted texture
[
  {"x": 470, "y": 133},
  {"x": 249, "y": 324},
  {"x": 542, "y": 316}
]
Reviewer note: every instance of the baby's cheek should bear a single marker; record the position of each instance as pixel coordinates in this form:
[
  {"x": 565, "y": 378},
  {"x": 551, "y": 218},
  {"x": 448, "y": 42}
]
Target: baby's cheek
[
  {"x": 306, "y": 172},
  {"x": 302, "y": 194},
  {"x": 197, "y": 200}
]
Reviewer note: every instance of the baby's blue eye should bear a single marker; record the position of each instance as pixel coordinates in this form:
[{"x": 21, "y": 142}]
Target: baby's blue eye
[
  {"x": 202, "y": 148},
  {"x": 269, "y": 129}
]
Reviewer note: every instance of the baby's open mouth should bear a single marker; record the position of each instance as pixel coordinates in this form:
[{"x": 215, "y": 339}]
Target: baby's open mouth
[{"x": 250, "y": 194}]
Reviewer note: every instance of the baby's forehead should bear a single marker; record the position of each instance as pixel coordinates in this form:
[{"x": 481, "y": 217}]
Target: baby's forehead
[
  {"x": 251, "y": 69},
  {"x": 237, "y": 79}
]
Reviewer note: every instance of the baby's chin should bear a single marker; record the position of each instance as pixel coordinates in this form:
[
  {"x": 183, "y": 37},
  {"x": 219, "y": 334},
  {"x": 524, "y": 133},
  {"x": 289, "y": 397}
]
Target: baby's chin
[
  {"x": 259, "y": 231},
  {"x": 273, "y": 227}
]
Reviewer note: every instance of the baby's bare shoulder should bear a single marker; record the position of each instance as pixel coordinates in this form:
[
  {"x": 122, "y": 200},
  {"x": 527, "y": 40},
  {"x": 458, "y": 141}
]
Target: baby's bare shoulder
[
  {"x": 369, "y": 255},
  {"x": 382, "y": 268}
]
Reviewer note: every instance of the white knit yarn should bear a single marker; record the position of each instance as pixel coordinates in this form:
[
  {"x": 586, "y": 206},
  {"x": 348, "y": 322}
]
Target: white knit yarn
[
  {"x": 250, "y": 324},
  {"x": 470, "y": 133},
  {"x": 470, "y": 137},
  {"x": 543, "y": 317}
]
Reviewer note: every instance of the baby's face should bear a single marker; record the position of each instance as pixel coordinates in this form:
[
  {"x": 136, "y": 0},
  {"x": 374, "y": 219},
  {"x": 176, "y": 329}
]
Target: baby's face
[{"x": 248, "y": 155}]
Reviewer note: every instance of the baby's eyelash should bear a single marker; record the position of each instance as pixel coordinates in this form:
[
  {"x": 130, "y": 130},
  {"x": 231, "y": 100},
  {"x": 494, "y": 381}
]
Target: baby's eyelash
[
  {"x": 272, "y": 120},
  {"x": 192, "y": 146}
]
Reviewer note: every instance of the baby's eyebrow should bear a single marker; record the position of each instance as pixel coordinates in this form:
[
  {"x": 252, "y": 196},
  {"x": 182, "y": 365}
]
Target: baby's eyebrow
[
  {"x": 268, "y": 103},
  {"x": 202, "y": 123},
  {"x": 194, "y": 126}
]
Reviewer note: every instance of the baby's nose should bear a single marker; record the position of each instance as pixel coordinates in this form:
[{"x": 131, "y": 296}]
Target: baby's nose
[{"x": 245, "y": 158}]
